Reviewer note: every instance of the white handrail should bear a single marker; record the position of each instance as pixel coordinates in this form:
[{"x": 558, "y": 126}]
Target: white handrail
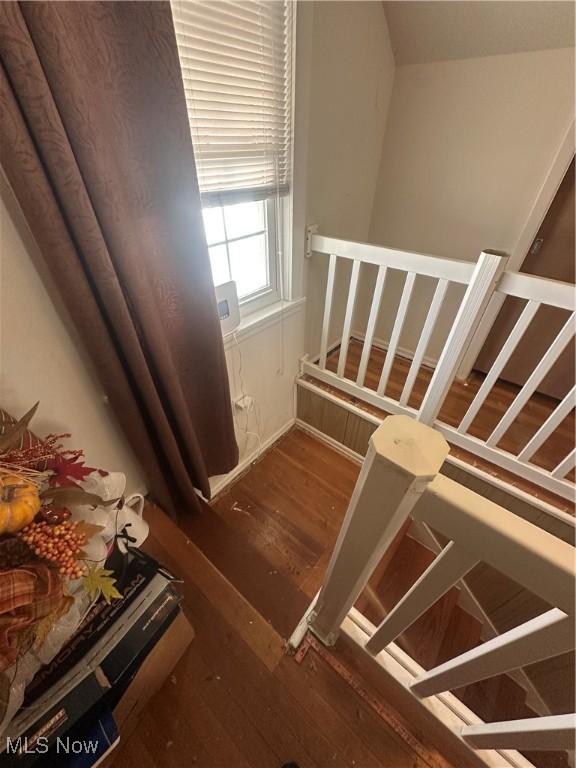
[
  {"x": 533, "y": 288},
  {"x": 484, "y": 280},
  {"x": 527, "y": 554},
  {"x": 407, "y": 261}
]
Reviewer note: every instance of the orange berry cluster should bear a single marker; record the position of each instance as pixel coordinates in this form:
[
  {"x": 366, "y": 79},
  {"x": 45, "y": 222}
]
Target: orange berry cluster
[{"x": 60, "y": 544}]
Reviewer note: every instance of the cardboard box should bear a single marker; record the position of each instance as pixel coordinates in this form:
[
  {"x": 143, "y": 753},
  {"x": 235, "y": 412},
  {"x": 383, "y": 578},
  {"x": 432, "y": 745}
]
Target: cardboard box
[{"x": 153, "y": 673}]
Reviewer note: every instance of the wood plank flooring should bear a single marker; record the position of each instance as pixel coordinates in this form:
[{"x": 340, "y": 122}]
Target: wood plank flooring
[
  {"x": 237, "y": 699},
  {"x": 250, "y": 564}
]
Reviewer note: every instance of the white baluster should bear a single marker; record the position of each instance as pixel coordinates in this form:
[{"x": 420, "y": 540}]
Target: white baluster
[
  {"x": 565, "y": 465},
  {"x": 552, "y": 422},
  {"x": 431, "y": 318},
  {"x": 486, "y": 273},
  {"x": 327, "y": 311},
  {"x": 396, "y": 331},
  {"x": 371, "y": 327},
  {"x": 551, "y": 732},
  {"x": 351, "y": 303},
  {"x": 449, "y": 567},
  {"x": 498, "y": 365},
  {"x": 545, "y": 364},
  {"x": 546, "y": 636}
]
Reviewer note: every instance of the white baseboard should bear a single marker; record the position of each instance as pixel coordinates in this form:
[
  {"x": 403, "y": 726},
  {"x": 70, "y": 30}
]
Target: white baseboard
[
  {"x": 324, "y": 438},
  {"x": 408, "y": 354},
  {"x": 220, "y": 482}
]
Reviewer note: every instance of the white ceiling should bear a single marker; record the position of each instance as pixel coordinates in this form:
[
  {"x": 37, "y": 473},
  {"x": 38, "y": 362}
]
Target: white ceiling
[{"x": 436, "y": 30}]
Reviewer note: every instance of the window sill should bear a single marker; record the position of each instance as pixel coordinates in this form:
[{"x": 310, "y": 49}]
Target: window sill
[{"x": 263, "y": 318}]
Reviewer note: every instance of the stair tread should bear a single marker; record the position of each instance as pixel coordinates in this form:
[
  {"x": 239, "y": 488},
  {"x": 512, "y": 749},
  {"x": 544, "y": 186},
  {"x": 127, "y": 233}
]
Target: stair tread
[
  {"x": 423, "y": 640},
  {"x": 462, "y": 634},
  {"x": 497, "y": 698},
  {"x": 443, "y": 632}
]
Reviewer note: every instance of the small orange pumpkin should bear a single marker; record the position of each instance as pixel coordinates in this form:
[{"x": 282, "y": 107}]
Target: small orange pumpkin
[{"x": 19, "y": 503}]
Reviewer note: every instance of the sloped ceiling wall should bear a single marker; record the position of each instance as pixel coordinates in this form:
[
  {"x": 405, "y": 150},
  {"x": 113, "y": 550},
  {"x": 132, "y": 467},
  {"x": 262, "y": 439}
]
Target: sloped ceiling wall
[{"x": 435, "y": 30}]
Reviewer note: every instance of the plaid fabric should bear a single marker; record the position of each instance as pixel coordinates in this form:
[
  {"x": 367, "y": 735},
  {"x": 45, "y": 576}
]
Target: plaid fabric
[{"x": 27, "y": 595}]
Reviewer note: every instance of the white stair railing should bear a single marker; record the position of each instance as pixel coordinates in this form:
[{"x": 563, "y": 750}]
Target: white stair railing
[
  {"x": 533, "y": 733},
  {"x": 400, "y": 479},
  {"x": 409, "y": 457},
  {"x": 483, "y": 281}
]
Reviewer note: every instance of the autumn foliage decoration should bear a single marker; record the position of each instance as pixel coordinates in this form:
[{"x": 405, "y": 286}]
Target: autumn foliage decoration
[{"x": 41, "y": 547}]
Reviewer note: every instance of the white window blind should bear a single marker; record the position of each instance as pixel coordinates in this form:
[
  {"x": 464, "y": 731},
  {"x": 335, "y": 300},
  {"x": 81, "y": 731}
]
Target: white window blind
[{"x": 236, "y": 67}]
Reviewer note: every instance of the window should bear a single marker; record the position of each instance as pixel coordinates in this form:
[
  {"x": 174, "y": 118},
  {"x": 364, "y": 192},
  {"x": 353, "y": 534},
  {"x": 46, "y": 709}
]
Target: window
[
  {"x": 236, "y": 68},
  {"x": 238, "y": 242}
]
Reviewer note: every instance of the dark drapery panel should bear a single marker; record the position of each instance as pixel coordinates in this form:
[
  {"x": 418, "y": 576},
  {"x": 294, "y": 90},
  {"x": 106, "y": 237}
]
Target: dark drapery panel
[{"x": 96, "y": 146}]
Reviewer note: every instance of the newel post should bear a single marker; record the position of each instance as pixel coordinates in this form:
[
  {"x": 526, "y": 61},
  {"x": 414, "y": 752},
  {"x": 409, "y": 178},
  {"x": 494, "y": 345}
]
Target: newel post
[
  {"x": 403, "y": 457},
  {"x": 485, "y": 277}
]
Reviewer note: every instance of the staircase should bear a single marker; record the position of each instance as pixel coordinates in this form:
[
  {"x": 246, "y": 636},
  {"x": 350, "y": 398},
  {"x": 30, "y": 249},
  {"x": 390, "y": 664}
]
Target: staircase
[
  {"x": 444, "y": 631},
  {"x": 402, "y": 605}
]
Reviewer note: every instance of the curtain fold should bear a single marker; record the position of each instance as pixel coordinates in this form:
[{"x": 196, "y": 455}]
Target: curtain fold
[{"x": 96, "y": 146}]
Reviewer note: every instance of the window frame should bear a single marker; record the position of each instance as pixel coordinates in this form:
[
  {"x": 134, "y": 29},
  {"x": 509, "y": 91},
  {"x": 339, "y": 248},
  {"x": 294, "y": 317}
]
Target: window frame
[{"x": 263, "y": 297}]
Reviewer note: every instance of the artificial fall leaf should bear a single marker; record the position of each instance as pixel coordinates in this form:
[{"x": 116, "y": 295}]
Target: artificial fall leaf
[
  {"x": 87, "y": 529},
  {"x": 14, "y": 433},
  {"x": 44, "y": 626},
  {"x": 67, "y": 496},
  {"x": 69, "y": 471},
  {"x": 99, "y": 581}
]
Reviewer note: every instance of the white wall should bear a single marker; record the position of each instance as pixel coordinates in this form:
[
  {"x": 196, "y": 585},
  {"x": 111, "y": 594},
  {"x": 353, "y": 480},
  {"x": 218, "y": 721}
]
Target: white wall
[
  {"x": 467, "y": 146},
  {"x": 42, "y": 359},
  {"x": 351, "y": 75},
  {"x": 263, "y": 363}
]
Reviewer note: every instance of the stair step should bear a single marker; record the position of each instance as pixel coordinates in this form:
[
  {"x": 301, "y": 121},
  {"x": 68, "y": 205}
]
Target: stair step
[
  {"x": 270, "y": 590},
  {"x": 497, "y": 698},
  {"x": 443, "y": 632},
  {"x": 369, "y": 603},
  {"x": 501, "y": 698},
  {"x": 424, "y": 639},
  {"x": 462, "y": 634}
]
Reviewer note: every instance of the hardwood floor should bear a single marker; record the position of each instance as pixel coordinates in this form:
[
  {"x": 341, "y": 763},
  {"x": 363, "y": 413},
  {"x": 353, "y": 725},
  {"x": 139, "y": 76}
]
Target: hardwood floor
[
  {"x": 461, "y": 394},
  {"x": 250, "y": 564},
  {"x": 237, "y": 699}
]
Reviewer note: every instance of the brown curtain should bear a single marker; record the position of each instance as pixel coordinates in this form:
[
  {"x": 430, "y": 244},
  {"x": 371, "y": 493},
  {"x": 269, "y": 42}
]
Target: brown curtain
[{"x": 96, "y": 146}]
